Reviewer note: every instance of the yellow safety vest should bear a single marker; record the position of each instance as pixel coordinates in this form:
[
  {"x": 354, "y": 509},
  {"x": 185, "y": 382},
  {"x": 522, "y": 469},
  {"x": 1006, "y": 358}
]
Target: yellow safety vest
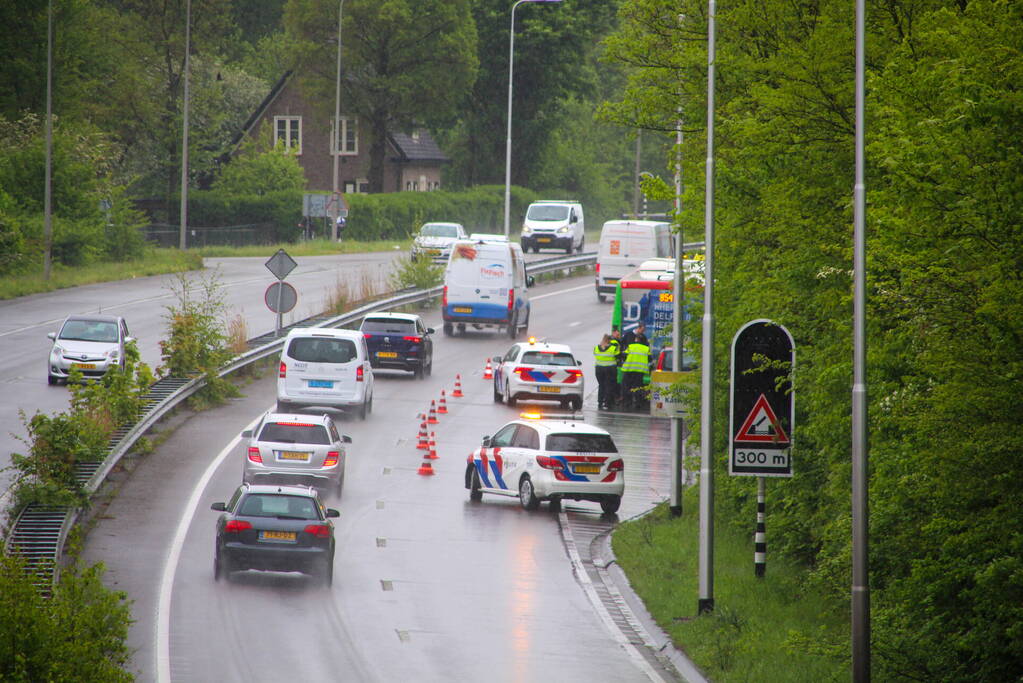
[
  {"x": 606, "y": 357},
  {"x": 637, "y": 358}
]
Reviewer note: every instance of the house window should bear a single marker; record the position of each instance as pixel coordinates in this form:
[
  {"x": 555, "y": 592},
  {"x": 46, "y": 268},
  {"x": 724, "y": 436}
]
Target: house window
[
  {"x": 288, "y": 132},
  {"x": 356, "y": 186},
  {"x": 349, "y": 137}
]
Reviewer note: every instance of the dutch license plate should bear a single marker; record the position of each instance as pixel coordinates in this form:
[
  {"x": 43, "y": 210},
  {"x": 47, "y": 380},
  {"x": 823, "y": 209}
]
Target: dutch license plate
[
  {"x": 84, "y": 366},
  {"x": 586, "y": 469},
  {"x": 550, "y": 390},
  {"x": 433, "y": 252},
  {"x": 611, "y": 281},
  {"x": 461, "y": 309},
  {"x": 543, "y": 239},
  {"x": 386, "y": 354},
  {"x": 293, "y": 455},
  {"x": 285, "y": 536},
  {"x": 321, "y": 384}
]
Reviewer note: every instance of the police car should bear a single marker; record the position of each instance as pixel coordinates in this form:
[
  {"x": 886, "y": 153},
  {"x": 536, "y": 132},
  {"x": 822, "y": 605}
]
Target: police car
[
  {"x": 551, "y": 459},
  {"x": 538, "y": 370}
]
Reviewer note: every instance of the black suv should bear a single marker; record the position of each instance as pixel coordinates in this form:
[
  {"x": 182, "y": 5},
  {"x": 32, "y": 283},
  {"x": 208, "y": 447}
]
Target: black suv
[{"x": 399, "y": 341}]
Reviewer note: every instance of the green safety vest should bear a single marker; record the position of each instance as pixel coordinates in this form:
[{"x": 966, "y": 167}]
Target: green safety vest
[
  {"x": 607, "y": 357},
  {"x": 637, "y": 358}
]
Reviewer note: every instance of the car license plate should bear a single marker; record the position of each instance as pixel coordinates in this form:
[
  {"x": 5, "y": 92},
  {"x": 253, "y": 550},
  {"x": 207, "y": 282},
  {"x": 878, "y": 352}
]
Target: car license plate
[
  {"x": 543, "y": 239},
  {"x": 586, "y": 469},
  {"x": 550, "y": 390},
  {"x": 293, "y": 455},
  {"x": 460, "y": 309},
  {"x": 84, "y": 366},
  {"x": 386, "y": 354},
  {"x": 321, "y": 384},
  {"x": 433, "y": 252},
  {"x": 611, "y": 281},
  {"x": 278, "y": 536}
]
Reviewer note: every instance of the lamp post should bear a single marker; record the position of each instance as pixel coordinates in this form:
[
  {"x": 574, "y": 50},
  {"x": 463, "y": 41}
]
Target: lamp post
[
  {"x": 182, "y": 228},
  {"x": 507, "y": 149},
  {"x": 337, "y": 124}
]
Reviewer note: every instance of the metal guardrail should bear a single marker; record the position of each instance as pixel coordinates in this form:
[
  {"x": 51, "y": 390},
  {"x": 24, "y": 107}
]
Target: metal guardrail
[{"x": 39, "y": 533}]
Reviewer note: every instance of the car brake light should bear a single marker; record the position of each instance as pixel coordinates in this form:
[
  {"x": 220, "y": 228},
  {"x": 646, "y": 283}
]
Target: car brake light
[
  {"x": 598, "y": 267},
  {"x": 359, "y": 374},
  {"x": 414, "y": 340},
  {"x": 318, "y": 530},
  {"x": 616, "y": 466},
  {"x": 254, "y": 455},
  {"x": 331, "y": 458},
  {"x": 367, "y": 335},
  {"x": 511, "y": 299},
  {"x": 444, "y": 298},
  {"x": 549, "y": 463},
  {"x": 520, "y": 369},
  {"x": 573, "y": 375},
  {"x": 235, "y": 526},
  {"x": 284, "y": 370}
]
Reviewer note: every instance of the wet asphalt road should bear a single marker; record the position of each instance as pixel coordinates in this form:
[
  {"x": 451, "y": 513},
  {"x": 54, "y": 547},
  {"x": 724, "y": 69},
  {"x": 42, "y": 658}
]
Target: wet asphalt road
[{"x": 427, "y": 586}]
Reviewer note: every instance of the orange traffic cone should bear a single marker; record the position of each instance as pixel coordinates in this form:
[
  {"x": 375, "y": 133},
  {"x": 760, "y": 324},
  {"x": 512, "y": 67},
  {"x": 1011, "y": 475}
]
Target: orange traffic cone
[
  {"x": 423, "y": 444},
  {"x": 488, "y": 372},
  {"x": 432, "y": 419},
  {"x": 432, "y": 453},
  {"x": 442, "y": 407},
  {"x": 457, "y": 393},
  {"x": 427, "y": 467}
]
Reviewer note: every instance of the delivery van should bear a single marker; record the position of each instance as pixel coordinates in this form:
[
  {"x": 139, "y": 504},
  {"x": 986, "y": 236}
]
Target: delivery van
[
  {"x": 624, "y": 245},
  {"x": 554, "y": 224},
  {"x": 485, "y": 286}
]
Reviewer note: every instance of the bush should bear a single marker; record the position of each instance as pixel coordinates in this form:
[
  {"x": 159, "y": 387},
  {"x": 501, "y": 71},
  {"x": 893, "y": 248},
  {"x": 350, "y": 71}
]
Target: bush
[{"x": 420, "y": 273}]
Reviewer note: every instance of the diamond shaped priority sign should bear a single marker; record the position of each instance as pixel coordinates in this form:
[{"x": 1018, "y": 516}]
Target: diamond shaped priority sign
[{"x": 280, "y": 264}]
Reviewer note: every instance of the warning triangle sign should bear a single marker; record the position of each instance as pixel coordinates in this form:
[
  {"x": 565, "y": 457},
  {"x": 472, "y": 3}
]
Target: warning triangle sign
[{"x": 762, "y": 425}]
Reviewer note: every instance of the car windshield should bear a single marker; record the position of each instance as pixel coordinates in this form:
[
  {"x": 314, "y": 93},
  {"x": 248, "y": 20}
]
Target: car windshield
[
  {"x": 548, "y": 358},
  {"x": 294, "y": 432},
  {"x": 547, "y": 212},
  {"x": 89, "y": 330},
  {"x": 439, "y": 230},
  {"x": 388, "y": 326},
  {"x": 581, "y": 443},
  {"x": 278, "y": 505},
  {"x": 322, "y": 350}
]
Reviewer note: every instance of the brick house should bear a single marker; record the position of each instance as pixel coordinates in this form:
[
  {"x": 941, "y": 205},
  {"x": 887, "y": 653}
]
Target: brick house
[{"x": 413, "y": 163}]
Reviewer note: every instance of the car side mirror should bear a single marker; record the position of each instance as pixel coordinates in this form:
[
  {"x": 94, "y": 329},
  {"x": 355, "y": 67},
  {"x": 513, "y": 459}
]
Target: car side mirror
[
  {"x": 496, "y": 359},
  {"x": 578, "y": 362},
  {"x": 331, "y": 512},
  {"x": 247, "y": 434},
  {"x": 219, "y": 507},
  {"x": 52, "y": 335},
  {"x": 530, "y": 281},
  {"x": 485, "y": 442},
  {"x": 346, "y": 438},
  {"x": 429, "y": 330},
  {"x": 574, "y": 219}
]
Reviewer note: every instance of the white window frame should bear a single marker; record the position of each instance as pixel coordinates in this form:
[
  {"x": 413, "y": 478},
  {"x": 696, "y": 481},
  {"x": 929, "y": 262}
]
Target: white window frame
[
  {"x": 292, "y": 122},
  {"x": 346, "y": 122}
]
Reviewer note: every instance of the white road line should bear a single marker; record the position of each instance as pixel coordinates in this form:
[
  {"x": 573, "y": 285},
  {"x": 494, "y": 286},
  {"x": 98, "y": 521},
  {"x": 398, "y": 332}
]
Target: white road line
[{"x": 170, "y": 568}]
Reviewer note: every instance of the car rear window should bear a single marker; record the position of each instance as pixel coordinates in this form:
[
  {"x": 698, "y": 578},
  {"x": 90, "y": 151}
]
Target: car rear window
[
  {"x": 275, "y": 504},
  {"x": 295, "y": 432},
  {"x": 581, "y": 443},
  {"x": 388, "y": 326},
  {"x": 548, "y": 358},
  {"x": 322, "y": 350}
]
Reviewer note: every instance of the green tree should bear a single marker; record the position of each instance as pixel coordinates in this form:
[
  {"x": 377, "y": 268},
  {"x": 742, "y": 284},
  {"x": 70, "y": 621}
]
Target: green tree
[{"x": 260, "y": 173}]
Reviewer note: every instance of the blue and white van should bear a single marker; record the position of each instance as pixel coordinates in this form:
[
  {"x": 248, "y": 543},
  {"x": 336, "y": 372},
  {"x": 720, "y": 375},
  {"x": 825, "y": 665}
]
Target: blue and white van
[{"x": 485, "y": 286}]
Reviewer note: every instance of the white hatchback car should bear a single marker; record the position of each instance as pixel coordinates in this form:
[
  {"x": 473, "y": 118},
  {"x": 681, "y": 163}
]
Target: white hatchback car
[
  {"x": 548, "y": 459},
  {"x": 538, "y": 370},
  {"x": 435, "y": 239},
  {"x": 325, "y": 367},
  {"x": 90, "y": 343}
]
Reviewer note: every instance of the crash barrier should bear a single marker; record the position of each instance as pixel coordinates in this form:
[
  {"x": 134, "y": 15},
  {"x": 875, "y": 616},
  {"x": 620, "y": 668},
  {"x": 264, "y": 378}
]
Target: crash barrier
[{"x": 39, "y": 533}]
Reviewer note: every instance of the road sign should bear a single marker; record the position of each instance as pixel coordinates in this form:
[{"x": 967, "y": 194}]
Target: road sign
[
  {"x": 280, "y": 264},
  {"x": 762, "y": 401},
  {"x": 280, "y": 297}
]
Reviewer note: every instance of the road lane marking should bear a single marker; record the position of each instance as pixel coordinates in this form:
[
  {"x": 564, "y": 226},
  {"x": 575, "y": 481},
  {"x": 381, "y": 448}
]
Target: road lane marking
[
  {"x": 560, "y": 291},
  {"x": 170, "y": 568}
]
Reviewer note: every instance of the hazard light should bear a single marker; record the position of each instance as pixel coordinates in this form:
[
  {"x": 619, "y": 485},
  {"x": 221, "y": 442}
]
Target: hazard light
[
  {"x": 531, "y": 416},
  {"x": 532, "y": 340}
]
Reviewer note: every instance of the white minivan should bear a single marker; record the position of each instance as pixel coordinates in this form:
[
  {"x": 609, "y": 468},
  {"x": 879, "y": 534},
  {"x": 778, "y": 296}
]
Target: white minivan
[
  {"x": 325, "y": 367},
  {"x": 485, "y": 287},
  {"x": 624, "y": 245},
  {"x": 554, "y": 224}
]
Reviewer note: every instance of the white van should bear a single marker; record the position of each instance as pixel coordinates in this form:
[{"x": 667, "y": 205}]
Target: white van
[
  {"x": 485, "y": 287},
  {"x": 624, "y": 245},
  {"x": 325, "y": 367},
  {"x": 554, "y": 224}
]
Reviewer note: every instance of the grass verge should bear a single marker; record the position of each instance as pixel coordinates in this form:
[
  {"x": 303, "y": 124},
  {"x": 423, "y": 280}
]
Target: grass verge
[
  {"x": 777, "y": 628},
  {"x": 319, "y": 247}
]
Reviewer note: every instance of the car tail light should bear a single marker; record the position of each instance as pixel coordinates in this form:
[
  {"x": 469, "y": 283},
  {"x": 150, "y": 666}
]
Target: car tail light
[
  {"x": 254, "y": 455},
  {"x": 284, "y": 370},
  {"x": 367, "y": 335},
  {"x": 318, "y": 530},
  {"x": 549, "y": 463},
  {"x": 444, "y": 298},
  {"x": 598, "y": 267},
  {"x": 520, "y": 370},
  {"x": 331, "y": 459},
  {"x": 573, "y": 375},
  {"x": 616, "y": 466},
  {"x": 414, "y": 340},
  {"x": 359, "y": 374},
  {"x": 235, "y": 526},
  {"x": 511, "y": 299}
]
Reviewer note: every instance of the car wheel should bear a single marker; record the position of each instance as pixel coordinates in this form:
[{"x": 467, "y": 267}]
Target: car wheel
[
  {"x": 582, "y": 243},
  {"x": 363, "y": 410},
  {"x": 508, "y": 398},
  {"x": 498, "y": 396},
  {"x": 340, "y": 483},
  {"x": 221, "y": 566},
  {"x": 475, "y": 494},
  {"x": 327, "y": 573},
  {"x": 610, "y": 504},
  {"x": 429, "y": 366},
  {"x": 51, "y": 380},
  {"x": 527, "y": 496},
  {"x": 556, "y": 504},
  {"x": 417, "y": 371},
  {"x": 283, "y": 407},
  {"x": 449, "y": 330},
  {"x": 369, "y": 405},
  {"x": 513, "y": 326},
  {"x": 571, "y": 246},
  {"x": 600, "y": 297},
  {"x": 576, "y": 402}
]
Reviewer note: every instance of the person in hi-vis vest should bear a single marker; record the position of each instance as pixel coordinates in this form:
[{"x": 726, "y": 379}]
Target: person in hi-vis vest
[
  {"x": 634, "y": 369},
  {"x": 605, "y": 360}
]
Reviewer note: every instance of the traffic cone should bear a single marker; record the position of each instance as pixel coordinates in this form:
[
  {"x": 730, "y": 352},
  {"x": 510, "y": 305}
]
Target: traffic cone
[
  {"x": 432, "y": 419},
  {"x": 488, "y": 372},
  {"x": 432, "y": 453},
  {"x": 423, "y": 444},
  {"x": 442, "y": 407},
  {"x": 427, "y": 467},
  {"x": 457, "y": 393}
]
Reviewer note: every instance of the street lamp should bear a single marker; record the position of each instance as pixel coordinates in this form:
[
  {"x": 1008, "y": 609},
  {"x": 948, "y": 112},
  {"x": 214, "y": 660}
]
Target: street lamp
[
  {"x": 507, "y": 150},
  {"x": 337, "y": 123}
]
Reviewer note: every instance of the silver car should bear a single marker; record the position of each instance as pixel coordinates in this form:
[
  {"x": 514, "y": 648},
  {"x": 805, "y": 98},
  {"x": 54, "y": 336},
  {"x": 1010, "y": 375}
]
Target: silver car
[
  {"x": 91, "y": 343},
  {"x": 288, "y": 448}
]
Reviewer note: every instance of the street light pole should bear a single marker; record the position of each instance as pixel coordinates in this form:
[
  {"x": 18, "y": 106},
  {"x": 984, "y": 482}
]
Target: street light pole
[
  {"x": 48, "y": 190},
  {"x": 508, "y": 145},
  {"x": 337, "y": 123},
  {"x": 184, "y": 130}
]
